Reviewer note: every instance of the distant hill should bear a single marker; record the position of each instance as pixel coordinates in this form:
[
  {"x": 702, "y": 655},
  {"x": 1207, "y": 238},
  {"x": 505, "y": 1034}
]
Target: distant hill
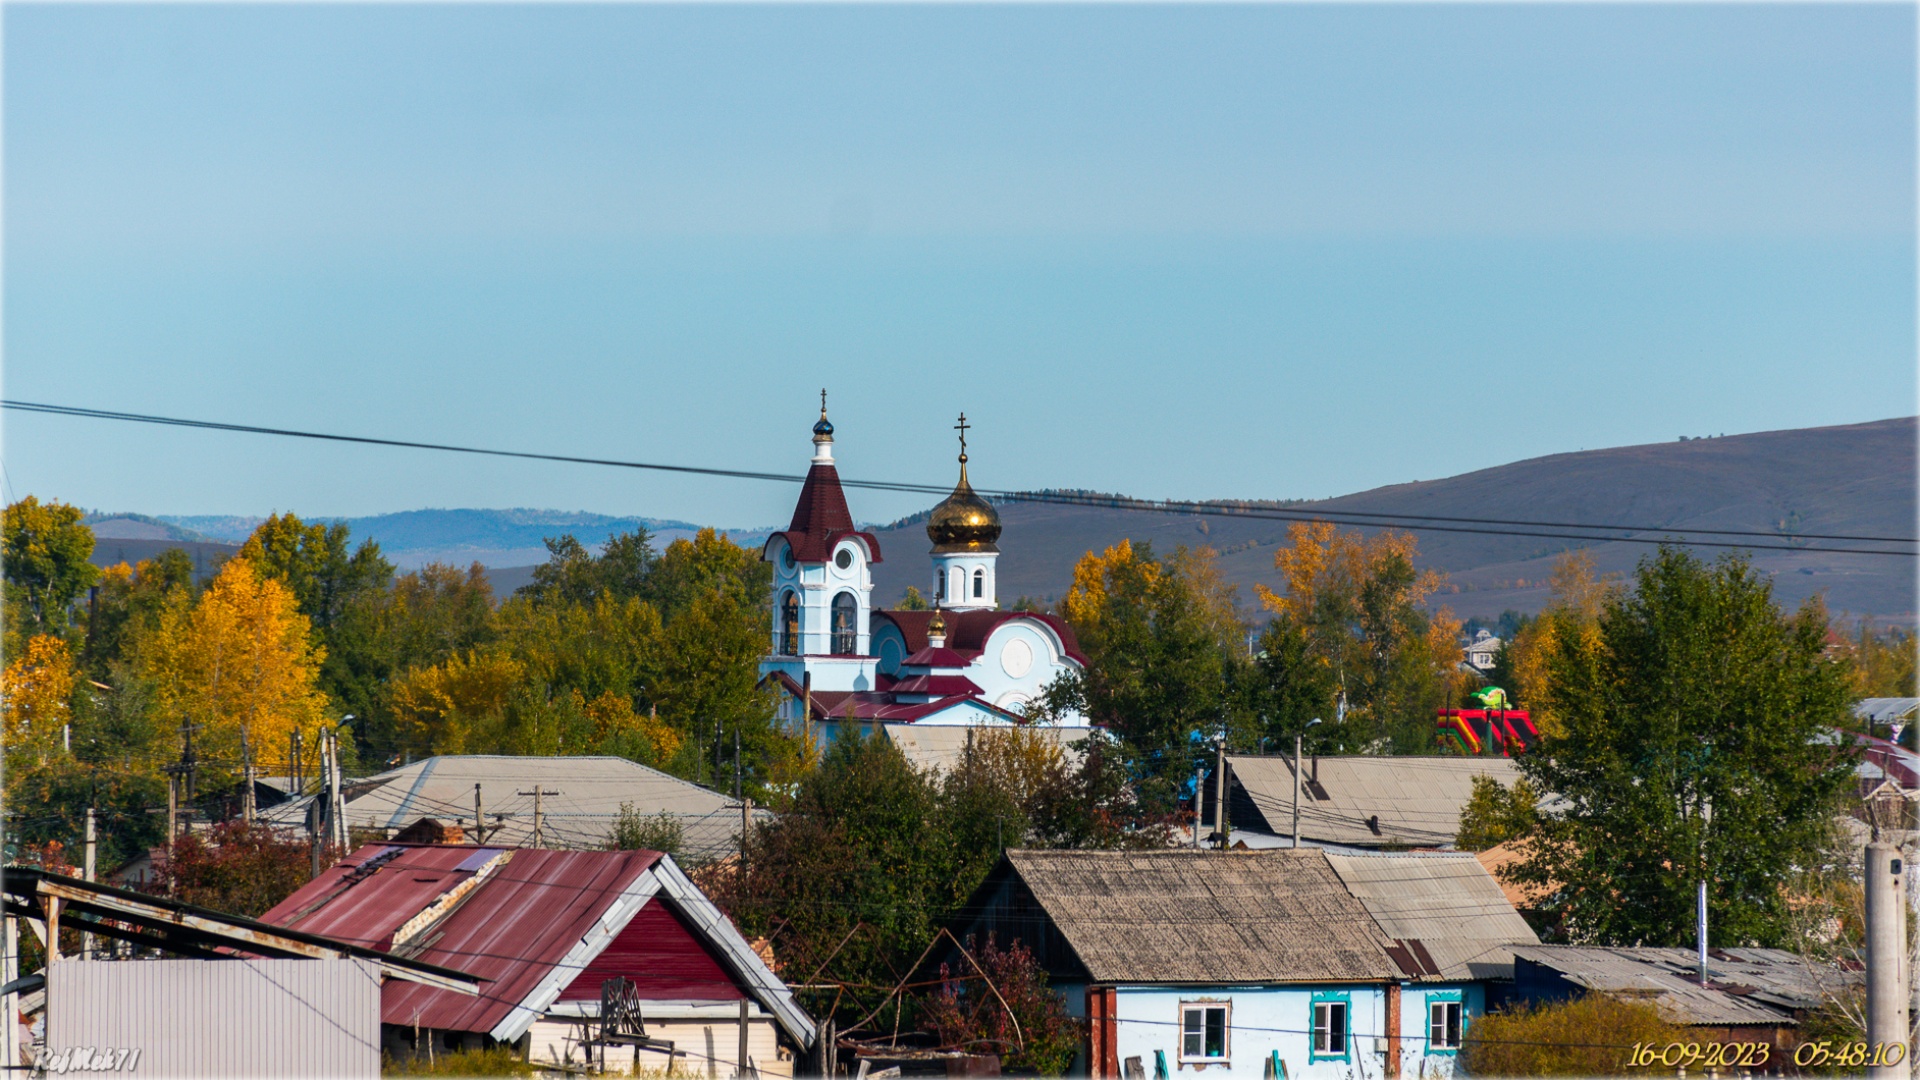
[
  {"x": 141, "y": 527},
  {"x": 1857, "y": 479},
  {"x": 1854, "y": 479},
  {"x": 504, "y": 538}
]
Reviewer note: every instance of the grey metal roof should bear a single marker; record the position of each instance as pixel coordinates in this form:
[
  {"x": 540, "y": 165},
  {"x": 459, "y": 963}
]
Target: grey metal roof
[
  {"x": 1205, "y": 916},
  {"x": 590, "y": 789},
  {"x": 1448, "y": 903},
  {"x": 1745, "y": 986},
  {"x": 939, "y": 746},
  {"x": 1886, "y": 710},
  {"x": 1417, "y": 800}
]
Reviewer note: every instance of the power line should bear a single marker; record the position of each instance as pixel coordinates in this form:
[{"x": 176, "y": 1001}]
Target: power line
[{"x": 1375, "y": 519}]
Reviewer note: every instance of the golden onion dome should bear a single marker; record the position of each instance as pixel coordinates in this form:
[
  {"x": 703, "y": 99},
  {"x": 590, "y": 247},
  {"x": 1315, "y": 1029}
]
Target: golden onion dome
[{"x": 963, "y": 521}]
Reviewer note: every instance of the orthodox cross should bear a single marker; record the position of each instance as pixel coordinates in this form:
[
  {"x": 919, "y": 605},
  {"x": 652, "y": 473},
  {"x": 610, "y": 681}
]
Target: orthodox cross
[{"x": 962, "y": 427}]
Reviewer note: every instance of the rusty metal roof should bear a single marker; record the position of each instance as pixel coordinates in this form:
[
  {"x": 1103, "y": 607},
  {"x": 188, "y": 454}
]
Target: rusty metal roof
[
  {"x": 528, "y": 920},
  {"x": 1367, "y": 801},
  {"x": 1447, "y": 903},
  {"x": 1206, "y": 917}
]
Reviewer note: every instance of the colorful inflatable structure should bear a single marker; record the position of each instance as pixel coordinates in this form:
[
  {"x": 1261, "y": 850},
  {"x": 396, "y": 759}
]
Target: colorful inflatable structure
[{"x": 1492, "y": 725}]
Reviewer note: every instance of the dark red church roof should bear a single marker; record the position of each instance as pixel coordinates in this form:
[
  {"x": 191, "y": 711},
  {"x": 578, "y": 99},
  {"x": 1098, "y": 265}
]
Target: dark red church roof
[
  {"x": 967, "y": 631},
  {"x": 821, "y": 518}
]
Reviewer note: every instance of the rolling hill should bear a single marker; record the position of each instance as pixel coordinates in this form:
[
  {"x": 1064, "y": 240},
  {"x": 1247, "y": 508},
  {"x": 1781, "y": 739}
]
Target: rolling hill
[{"x": 1856, "y": 479}]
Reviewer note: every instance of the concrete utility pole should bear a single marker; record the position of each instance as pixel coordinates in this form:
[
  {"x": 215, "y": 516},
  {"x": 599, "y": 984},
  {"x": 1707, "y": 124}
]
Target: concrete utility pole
[
  {"x": 1706, "y": 818},
  {"x": 1886, "y": 943},
  {"x": 86, "y": 939},
  {"x": 1199, "y": 804},
  {"x": 1298, "y": 740},
  {"x": 246, "y": 781},
  {"x": 10, "y": 1004},
  {"x": 1220, "y": 793},
  {"x": 479, "y": 823},
  {"x": 337, "y": 800},
  {"x": 538, "y": 816}
]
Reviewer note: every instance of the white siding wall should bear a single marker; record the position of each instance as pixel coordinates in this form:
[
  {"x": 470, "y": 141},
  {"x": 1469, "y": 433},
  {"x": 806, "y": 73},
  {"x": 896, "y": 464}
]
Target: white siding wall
[
  {"x": 709, "y": 1043},
  {"x": 265, "y": 1018}
]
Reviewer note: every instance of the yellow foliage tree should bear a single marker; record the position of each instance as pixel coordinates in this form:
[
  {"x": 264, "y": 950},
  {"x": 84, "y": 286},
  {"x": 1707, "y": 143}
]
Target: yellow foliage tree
[
  {"x": 35, "y": 691},
  {"x": 1569, "y": 624},
  {"x": 617, "y": 725},
  {"x": 238, "y": 665},
  {"x": 437, "y": 709},
  {"x": 1358, "y": 602}
]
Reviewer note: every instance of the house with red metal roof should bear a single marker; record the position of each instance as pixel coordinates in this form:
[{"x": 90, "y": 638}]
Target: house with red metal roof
[
  {"x": 842, "y": 664},
  {"x": 555, "y": 935}
]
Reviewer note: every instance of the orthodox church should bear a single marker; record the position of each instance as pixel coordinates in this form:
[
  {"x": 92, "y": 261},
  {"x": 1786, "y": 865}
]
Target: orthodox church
[{"x": 843, "y": 665}]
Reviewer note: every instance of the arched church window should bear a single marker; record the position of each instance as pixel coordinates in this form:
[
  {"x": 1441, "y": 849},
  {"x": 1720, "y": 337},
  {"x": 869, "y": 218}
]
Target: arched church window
[
  {"x": 979, "y": 584},
  {"x": 790, "y": 626},
  {"x": 939, "y": 587},
  {"x": 845, "y": 611}
]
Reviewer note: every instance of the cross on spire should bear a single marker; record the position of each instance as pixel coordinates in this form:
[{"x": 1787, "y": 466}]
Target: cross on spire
[
  {"x": 823, "y": 401},
  {"x": 962, "y": 427}
]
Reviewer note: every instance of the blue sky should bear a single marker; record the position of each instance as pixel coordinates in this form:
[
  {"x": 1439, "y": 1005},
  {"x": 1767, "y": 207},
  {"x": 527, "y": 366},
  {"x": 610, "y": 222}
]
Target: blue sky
[{"x": 1189, "y": 251}]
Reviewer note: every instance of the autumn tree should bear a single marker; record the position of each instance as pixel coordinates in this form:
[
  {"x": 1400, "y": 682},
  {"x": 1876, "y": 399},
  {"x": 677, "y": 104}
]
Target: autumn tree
[
  {"x": 129, "y": 606},
  {"x": 1017, "y": 1016},
  {"x": 44, "y": 550},
  {"x": 36, "y": 693},
  {"x": 236, "y": 868},
  {"x": 237, "y": 665},
  {"x": 1353, "y": 606},
  {"x": 1694, "y": 739},
  {"x": 1569, "y": 624},
  {"x": 1161, "y": 637}
]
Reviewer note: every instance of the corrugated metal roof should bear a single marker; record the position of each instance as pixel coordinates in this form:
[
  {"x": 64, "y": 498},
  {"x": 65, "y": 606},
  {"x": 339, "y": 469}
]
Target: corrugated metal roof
[
  {"x": 1745, "y": 986},
  {"x": 591, "y": 791},
  {"x": 1886, "y": 710},
  {"x": 1206, "y": 917},
  {"x": 1448, "y": 903},
  {"x": 1417, "y": 800},
  {"x": 527, "y": 920}
]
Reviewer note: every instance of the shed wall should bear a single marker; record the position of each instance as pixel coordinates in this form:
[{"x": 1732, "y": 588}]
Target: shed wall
[{"x": 261, "y": 1018}]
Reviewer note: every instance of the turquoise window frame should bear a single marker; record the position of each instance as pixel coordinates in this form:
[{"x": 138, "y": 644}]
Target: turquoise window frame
[
  {"x": 1322, "y": 997},
  {"x": 1436, "y": 997}
]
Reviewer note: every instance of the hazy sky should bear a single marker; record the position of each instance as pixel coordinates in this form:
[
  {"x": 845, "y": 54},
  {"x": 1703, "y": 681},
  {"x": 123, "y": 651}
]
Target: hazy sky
[{"x": 1247, "y": 251}]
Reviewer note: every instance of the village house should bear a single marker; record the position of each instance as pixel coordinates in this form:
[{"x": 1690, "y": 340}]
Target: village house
[
  {"x": 1256, "y": 964},
  {"x": 579, "y": 801},
  {"x": 555, "y": 935},
  {"x": 1352, "y": 801}
]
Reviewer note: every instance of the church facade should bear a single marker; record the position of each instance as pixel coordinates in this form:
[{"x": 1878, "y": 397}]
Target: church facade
[{"x": 842, "y": 664}]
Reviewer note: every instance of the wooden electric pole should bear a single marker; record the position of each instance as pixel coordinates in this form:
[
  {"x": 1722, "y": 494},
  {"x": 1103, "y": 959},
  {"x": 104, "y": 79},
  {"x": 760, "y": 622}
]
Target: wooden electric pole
[{"x": 538, "y": 816}]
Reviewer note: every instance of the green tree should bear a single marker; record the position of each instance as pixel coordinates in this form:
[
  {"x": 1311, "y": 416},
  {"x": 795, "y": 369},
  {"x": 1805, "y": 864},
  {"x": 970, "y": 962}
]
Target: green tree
[
  {"x": 1162, "y": 638},
  {"x": 337, "y": 587},
  {"x": 635, "y": 831},
  {"x": 1700, "y": 696},
  {"x": 45, "y": 551},
  {"x": 1359, "y": 604},
  {"x": 1495, "y": 814},
  {"x": 862, "y": 845}
]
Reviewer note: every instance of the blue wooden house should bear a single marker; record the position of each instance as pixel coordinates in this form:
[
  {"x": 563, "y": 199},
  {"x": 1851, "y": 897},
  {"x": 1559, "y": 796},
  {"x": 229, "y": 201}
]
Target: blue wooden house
[{"x": 1255, "y": 964}]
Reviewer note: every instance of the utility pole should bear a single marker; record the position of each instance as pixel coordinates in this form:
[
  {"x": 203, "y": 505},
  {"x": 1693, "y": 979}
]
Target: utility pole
[
  {"x": 1886, "y": 942},
  {"x": 746, "y": 822},
  {"x": 1298, "y": 740},
  {"x": 479, "y": 822},
  {"x": 336, "y": 801},
  {"x": 1220, "y": 826},
  {"x": 537, "y": 793},
  {"x": 806, "y": 707},
  {"x": 1199, "y": 803},
  {"x": 86, "y": 939},
  {"x": 246, "y": 772},
  {"x": 296, "y": 780},
  {"x": 10, "y": 1004},
  {"x": 1706, "y": 818}
]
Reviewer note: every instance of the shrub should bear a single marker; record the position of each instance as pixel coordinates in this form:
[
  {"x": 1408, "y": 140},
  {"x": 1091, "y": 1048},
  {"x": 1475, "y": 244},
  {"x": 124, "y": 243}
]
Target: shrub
[
  {"x": 1587, "y": 1036},
  {"x": 965, "y": 1014}
]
